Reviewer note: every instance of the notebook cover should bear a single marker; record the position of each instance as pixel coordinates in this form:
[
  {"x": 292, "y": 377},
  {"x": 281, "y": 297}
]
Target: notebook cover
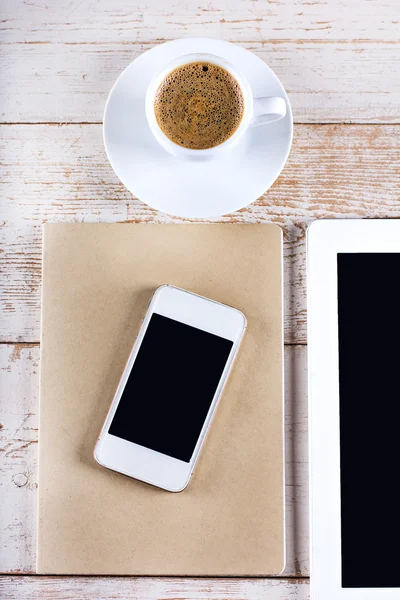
[{"x": 97, "y": 282}]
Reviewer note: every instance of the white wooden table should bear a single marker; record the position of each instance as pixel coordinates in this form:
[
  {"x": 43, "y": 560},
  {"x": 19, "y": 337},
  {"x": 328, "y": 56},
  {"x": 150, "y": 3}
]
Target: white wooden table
[{"x": 339, "y": 62}]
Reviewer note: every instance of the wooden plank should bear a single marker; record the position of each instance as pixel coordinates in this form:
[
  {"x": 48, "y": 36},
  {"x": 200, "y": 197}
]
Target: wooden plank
[
  {"x": 60, "y": 173},
  {"x": 19, "y": 384},
  {"x": 18, "y": 467},
  {"x": 128, "y": 588},
  {"x": 83, "y": 21},
  {"x": 318, "y": 76},
  {"x": 59, "y": 60}
]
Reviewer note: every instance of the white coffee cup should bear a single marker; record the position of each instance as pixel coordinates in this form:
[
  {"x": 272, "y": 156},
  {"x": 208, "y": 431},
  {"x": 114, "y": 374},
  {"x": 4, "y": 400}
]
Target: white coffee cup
[{"x": 257, "y": 111}]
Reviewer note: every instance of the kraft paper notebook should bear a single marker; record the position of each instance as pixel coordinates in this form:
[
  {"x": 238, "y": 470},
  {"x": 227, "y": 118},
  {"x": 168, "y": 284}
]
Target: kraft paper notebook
[{"x": 97, "y": 282}]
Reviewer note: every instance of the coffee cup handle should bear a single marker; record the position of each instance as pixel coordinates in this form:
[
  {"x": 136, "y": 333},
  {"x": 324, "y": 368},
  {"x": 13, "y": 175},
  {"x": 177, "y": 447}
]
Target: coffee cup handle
[{"x": 267, "y": 110}]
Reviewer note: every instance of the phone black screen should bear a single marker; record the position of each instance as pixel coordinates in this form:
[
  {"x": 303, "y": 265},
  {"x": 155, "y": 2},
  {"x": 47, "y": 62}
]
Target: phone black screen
[
  {"x": 369, "y": 375},
  {"x": 170, "y": 388}
]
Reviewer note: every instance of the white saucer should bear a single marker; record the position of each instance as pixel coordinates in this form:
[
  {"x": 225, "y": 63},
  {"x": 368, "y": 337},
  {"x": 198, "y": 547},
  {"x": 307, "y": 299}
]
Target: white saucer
[{"x": 193, "y": 189}]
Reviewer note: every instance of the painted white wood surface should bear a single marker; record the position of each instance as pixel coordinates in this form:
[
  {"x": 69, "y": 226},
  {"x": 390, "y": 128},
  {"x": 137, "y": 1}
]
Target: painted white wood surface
[
  {"x": 61, "y": 173},
  {"x": 338, "y": 61},
  {"x": 19, "y": 385},
  {"x": 127, "y": 588},
  {"x": 19, "y": 382},
  {"x": 58, "y": 60}
]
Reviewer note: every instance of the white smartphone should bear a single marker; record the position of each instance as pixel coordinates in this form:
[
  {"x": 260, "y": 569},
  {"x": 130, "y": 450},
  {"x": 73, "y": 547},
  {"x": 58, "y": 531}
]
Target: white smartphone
[{"x": 170, "y": 388}]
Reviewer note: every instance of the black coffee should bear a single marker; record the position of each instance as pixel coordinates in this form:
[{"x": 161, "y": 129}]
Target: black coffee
[{"x": 199, "y": 105}]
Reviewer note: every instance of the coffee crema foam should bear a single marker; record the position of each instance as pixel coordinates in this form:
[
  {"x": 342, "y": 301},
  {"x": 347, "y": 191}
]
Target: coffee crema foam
[{"x": 199, "y": 105}]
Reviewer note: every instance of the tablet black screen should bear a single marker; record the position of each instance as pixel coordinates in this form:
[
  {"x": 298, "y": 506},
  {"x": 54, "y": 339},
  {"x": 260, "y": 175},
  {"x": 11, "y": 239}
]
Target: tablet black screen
[{"x": 369, "y": 376}]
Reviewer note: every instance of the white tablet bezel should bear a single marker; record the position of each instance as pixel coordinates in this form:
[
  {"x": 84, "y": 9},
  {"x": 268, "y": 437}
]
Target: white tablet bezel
[{"x": 325, "y": 239}]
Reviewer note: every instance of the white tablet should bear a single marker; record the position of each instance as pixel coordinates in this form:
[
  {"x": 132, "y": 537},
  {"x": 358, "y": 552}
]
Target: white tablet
[{"x": 354, "y": 398}]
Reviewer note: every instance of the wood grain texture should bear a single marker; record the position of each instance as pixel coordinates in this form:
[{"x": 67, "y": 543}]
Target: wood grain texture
[
  {"x": 19, "y": 384},
  {"x": 128, "y": 588},
  {"x": 60, "y": 173},
  {"x": 123, "y": 21},
  {"x": 18, "y": 450},
  {"x": 60, "y": 59}
]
